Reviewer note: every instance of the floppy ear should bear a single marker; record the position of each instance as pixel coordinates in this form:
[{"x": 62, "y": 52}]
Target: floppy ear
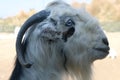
[{"x": 38, "y": 17}]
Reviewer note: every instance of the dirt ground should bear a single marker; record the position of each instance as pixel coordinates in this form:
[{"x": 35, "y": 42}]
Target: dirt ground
[{"x": 106, "y": 69}]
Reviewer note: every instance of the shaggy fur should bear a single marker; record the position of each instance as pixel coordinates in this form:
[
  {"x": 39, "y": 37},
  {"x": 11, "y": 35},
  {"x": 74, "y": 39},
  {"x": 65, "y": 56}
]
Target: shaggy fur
[{"x": 56, "y": 59}]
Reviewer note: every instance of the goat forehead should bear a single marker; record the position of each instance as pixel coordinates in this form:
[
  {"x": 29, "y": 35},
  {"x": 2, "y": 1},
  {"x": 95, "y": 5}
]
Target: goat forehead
[
  {"x": 59, "y": 9},
  {"x": 85, "y": 23}
]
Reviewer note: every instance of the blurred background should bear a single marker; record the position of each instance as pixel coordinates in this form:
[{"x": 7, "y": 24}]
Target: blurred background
[{"x": 13, "y": 14}]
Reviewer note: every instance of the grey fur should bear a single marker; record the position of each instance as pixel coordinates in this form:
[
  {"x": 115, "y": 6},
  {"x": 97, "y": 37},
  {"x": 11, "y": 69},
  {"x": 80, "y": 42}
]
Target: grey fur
[{"x": 56, "y": 59}]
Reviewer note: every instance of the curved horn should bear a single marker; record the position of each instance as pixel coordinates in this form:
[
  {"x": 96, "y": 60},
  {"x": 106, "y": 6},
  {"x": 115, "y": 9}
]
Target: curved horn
[{"x": 38, "y": 17}]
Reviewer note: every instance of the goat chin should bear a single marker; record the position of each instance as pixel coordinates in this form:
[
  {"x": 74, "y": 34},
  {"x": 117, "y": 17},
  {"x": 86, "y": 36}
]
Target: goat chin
[{"x": 62, "y": 46}]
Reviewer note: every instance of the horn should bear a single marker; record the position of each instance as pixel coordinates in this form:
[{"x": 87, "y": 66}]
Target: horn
[{"x": 38, "y": 17}]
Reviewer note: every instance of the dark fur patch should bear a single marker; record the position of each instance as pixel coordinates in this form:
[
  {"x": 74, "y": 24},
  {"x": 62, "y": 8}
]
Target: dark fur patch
[{"x": 17, "y": 71}]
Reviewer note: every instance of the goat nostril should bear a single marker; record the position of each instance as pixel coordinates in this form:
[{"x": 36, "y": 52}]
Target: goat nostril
[{"x": 105, "y": 41}]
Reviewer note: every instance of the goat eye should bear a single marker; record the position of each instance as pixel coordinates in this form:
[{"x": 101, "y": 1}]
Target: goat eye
[{"x": 69, "y": 23}]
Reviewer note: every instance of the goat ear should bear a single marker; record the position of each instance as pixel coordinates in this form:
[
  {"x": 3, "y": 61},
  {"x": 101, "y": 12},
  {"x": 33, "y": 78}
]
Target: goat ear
[{"x": 38, "y": 17}]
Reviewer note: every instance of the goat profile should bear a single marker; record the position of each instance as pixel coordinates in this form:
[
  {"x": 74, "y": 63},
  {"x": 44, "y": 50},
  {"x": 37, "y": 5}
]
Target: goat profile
[{"x": 59, "y": 43}]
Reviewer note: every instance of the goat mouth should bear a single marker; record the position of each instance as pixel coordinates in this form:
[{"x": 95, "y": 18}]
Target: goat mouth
[
  {"x": 68, "y": 33},
  {"x": 105, "y": 50}
]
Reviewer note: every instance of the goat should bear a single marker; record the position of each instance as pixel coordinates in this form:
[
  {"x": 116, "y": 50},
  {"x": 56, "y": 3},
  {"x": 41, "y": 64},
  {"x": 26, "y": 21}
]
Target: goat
[{"x": 59, "y": 43}]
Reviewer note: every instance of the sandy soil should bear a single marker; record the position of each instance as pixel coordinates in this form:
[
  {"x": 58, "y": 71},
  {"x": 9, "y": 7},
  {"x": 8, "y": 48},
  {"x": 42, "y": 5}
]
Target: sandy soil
[{"x": 106, "y": 69}]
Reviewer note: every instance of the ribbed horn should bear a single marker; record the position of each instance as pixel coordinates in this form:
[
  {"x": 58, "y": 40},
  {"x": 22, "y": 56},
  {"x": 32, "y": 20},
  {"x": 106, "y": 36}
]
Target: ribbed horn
[{"x": 38, "y": 17}]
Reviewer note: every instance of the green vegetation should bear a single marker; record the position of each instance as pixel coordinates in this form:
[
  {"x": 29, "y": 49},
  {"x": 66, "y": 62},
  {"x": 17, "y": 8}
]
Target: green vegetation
[
  {"x": 8, "y": 24},
  {"x": 6, "y": 28},
  {"x": 111, "y": 26}
]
